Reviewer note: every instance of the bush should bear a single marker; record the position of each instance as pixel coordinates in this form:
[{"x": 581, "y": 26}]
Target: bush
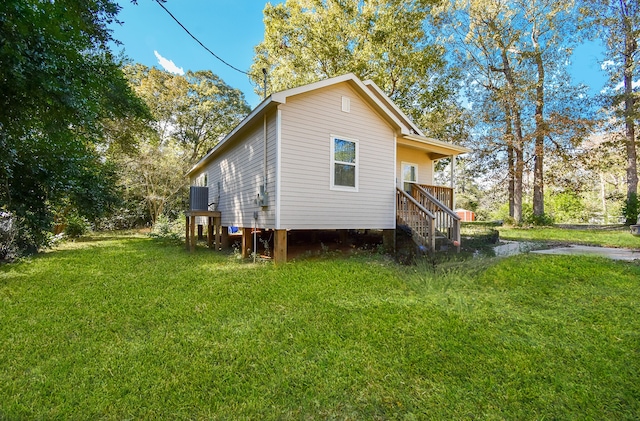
[
  {"x": 167, "y": 229},
  {"x": 77, "y": 226},
  {"x": 631, "y": 209}
]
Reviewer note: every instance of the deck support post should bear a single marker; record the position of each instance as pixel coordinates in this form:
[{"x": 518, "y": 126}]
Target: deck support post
[
  {"x": 389, "y": 240},
  {"x": 224, "y": 240},
  {"x": 213, "y": 225},
  {"x": 210, "y": 231},
  {"x": 192, "y": 233},
  {"x": 280, "y": 247},
  {"x": 247, "y": 242}
]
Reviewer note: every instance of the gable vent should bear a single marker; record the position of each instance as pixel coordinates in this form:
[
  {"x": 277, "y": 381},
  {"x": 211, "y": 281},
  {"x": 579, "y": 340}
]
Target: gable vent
[{"x": 346, "y": 104}]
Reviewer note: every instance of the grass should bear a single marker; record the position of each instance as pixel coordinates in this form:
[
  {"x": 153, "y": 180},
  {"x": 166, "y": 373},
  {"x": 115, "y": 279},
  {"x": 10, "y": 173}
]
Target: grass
[
  {"x": 620, "y": 237},
  {"x": 132, "y": 328}
]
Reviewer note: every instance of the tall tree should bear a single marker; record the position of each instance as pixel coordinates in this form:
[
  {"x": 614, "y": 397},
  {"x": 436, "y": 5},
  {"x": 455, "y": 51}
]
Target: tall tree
[
  {"x": 381, "y": 40},
  {"x": 517, "y": 51},
  {"x": 58, "y": 82},
  {"x": 485, "y": 41},
  {"x": 546, "y": 41},
  {"x": 190, "y": 115},
  {"x": 617, "y": 22}
]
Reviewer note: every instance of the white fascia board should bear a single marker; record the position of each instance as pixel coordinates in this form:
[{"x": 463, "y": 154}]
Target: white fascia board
[
  {"x": 371, "y": 84},
  {"x": 455, "y": 149},
  {"x": 281, "y": 98}
]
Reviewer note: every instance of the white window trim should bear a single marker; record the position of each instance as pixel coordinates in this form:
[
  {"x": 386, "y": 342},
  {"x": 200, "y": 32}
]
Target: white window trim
[
  {"x": 332, "y": 185},
  {"x": 417, "y": 167}
]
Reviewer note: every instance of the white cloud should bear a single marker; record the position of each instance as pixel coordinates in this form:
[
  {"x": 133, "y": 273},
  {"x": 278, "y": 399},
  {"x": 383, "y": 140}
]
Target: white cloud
[
  {"x": 634, "y": 85},
  {"x": 169, "y": 65},
  {"x": 606, "y": 64}
]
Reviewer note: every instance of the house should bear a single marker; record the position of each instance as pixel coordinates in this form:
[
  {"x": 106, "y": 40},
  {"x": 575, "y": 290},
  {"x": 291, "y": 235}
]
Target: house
[{"x": 332, "y": 155}]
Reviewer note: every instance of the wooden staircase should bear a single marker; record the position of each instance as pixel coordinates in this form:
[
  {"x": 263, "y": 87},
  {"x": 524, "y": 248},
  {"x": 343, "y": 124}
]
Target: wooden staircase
[{"x": 427, "y": 217}]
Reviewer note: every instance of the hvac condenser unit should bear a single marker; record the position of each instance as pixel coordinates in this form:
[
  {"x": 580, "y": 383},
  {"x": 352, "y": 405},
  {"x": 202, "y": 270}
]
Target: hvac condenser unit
[{"x": 198, "y": 198}]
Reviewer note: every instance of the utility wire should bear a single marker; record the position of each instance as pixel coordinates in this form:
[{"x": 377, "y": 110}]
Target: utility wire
[{"x": 198, "y": 41}]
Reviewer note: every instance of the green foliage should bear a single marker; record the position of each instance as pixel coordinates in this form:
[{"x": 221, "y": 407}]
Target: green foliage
[
  {"x": 528, "y": 217},
  {"x": 59, "y": 82},
  {"x": 167, "y": 229},
  {"x": 566, "y": 207},
  {"x": 539, "y": 220},
  {"x": 76, "y": 226},
  {"x": 134, "y": 328},
  {"x": 382, "y": 40},
  {"x": 190, "y": 115},
  {"x": 631, "y": 209}
]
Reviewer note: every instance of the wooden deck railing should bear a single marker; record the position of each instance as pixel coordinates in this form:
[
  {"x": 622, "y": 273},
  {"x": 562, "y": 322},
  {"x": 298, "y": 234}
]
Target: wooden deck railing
[
  {"x": 419, "y": 219},
  {"x": 447, "y": 222},
  {"x": 442, "y": 194}
]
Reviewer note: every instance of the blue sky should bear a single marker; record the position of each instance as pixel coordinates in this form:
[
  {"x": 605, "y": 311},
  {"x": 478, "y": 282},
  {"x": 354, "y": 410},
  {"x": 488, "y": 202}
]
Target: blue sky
[{"x": 231, "y": 29}]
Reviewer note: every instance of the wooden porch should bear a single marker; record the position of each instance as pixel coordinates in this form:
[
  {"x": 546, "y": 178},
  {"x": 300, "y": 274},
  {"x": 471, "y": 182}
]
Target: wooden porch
[{"x": 428, "y": 213}]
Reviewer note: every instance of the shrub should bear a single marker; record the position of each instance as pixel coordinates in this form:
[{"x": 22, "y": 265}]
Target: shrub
[
  {"x": 76, "y": 226},
  {"x": 167, "y": 229},
  {"x": 631, "y": 209}
]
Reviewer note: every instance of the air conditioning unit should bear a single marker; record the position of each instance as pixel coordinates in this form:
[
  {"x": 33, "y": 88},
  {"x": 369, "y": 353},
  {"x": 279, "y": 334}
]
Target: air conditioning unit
[{"x": 198, "y": 198}]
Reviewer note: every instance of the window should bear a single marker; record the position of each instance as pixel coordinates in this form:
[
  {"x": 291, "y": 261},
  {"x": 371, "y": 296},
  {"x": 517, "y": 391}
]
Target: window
[
  {"x": 409, "y": 175},
  {"x": 344, "y": 164}
]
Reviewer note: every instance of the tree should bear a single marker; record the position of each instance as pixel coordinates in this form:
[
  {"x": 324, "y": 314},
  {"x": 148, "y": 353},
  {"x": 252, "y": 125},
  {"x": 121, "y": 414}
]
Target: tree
[
  {"x": 617, "y": 22},
  {"x": 382, "y": 40},
  {"x": 514, "y": 52},
  {"x": 190, "y": 115},
  {"x": 484, "y": 41},
  {"x": 58, "y": 82}
]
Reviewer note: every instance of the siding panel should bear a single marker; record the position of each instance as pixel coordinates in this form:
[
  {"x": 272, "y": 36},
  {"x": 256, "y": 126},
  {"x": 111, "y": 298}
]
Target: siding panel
[
  {"x": 307, "y": 201},
  {"x": 420, "y": 158},
  {"x": 239, "y": 172}
]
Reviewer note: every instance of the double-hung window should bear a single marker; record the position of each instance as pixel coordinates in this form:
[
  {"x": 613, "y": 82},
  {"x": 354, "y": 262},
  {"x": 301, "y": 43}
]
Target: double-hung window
[{"x": 344, "y": 164}]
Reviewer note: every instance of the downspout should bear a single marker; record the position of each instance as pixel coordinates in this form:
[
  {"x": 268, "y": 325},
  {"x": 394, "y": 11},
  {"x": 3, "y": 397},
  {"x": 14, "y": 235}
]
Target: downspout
[{"x": 264, "y": 134}]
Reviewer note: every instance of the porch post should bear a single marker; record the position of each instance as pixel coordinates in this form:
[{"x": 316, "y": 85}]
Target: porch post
[
  {"x": 280, "y": 247},
  {"x": 224, "y": 241},
  {"x": 453, "y": 183},
  {"x": 389, "y": 240},
  {"x": 210, "y": 231}
]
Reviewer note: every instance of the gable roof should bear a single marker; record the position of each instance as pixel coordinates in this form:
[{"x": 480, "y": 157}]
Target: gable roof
[{"x": 368, "y": 89}]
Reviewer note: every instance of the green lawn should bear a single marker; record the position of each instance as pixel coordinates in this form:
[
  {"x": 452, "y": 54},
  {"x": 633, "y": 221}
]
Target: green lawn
[
  {"x": 620, "y": 237},
  {"x": 132, "y": 328}
]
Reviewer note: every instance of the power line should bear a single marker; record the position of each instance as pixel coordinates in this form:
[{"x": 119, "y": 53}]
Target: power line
[{"x": 198, "y": 41}]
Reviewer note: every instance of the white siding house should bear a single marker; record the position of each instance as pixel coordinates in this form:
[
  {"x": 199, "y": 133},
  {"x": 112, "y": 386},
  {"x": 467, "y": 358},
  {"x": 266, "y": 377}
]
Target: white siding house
[{"x": 331, "y": 155}]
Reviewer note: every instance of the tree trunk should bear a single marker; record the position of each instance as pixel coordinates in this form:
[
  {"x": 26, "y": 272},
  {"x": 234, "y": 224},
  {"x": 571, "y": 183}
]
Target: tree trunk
[
  {"x": 630, "y": 48},
  {"x": 603, "y": 198},
  {"x": 518, "y": 175},
  {"x": 510, "y": 155},
  {"x": 518, "y": 146},
  {"x": 538, "y": 171}
]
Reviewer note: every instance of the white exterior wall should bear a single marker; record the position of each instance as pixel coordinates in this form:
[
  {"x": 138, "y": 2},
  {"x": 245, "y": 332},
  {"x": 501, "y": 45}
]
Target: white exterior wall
[
  {"x": 414, "y": 156},
  {"x": 240, "y": 171},
  {"x": 306, "y": 200}
]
